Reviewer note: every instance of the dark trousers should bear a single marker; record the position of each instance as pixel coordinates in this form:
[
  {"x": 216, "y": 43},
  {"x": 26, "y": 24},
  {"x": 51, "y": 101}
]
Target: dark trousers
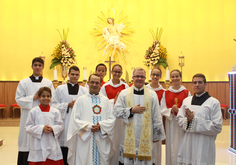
[
  {"x": 22, "y": 158},
  {"x": 64, "y": 151}
]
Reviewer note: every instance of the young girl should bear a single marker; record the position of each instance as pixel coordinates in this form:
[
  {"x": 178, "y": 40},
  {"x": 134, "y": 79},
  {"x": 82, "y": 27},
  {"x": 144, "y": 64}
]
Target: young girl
[
  {"x": 44, "y": 125},
  {"x": 154, "y": 85},
  {"x": 170, "y": 104},
  {"x": 110, "y": 89}
]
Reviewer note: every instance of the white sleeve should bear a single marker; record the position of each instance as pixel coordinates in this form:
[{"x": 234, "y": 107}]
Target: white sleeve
[
  {"x": 103, "y": 91},
  {"x": 164, "y": 110},
  {"x": 58, "y": 125}
]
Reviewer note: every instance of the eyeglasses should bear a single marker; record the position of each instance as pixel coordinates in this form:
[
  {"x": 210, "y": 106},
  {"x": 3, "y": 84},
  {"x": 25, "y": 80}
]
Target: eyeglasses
[
  {"x": 117, "y": 72},
  {"x": 142, "y": 77},
  {"x": 94, "y": 82},
  {"x": 157, "y": 75}
]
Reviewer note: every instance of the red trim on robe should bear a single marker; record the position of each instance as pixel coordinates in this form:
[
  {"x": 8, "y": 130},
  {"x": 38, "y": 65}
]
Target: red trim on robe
[
  {"x": 44, "y": 109},
  {"x": 112, "y": 91},
  {"x": 130, "y": 84},
  {"x": 159, "y": 95},
  {"x": 48, "y": 162},
  {"x": 170, "y": 98}
]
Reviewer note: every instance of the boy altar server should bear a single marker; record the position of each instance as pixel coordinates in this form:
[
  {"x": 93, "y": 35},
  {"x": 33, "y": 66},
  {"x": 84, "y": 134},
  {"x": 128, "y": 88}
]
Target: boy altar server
[
  {"x": 63, "y": 99},
  {"x": 27, "y": 98},
  {"x": 91, "y": 127}
]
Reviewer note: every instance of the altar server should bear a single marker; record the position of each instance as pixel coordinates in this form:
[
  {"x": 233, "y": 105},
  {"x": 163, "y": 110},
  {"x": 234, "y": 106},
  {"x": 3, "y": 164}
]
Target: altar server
[
  {"x": 63, "y": 99},
  {"x": 91, "y": 127},
  {"x": 201, "y": 120},
  {"x": 27, "y": 98},
  {"x": 170, "y": 104},
  {"x": 111, "y": 90},
  {"x": 138, "y": 108},
  {"x": 157, "y": 87},
  {"x": 44, "y": 125}
]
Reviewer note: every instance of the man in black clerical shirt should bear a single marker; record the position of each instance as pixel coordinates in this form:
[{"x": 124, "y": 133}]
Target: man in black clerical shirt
[
  {"x": 27, "y": 98},
  {"x": 201, "y": 120},
  {"x": 63, "y": 99}
]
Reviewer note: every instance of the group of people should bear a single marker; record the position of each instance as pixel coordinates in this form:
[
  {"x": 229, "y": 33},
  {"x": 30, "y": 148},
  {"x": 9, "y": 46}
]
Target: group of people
[{"x": 114, "y": 124}]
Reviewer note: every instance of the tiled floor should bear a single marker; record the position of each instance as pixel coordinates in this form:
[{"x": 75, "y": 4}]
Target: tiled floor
[{"x": 8, "y": 151}]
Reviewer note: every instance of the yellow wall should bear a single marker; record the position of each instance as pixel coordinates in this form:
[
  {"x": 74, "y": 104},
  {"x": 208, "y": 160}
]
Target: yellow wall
[{"x": 202, "y": 29}]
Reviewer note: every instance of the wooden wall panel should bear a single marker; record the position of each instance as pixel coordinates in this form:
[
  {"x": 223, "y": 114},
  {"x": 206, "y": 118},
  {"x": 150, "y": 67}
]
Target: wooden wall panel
[{"x": 219, "y": 90}]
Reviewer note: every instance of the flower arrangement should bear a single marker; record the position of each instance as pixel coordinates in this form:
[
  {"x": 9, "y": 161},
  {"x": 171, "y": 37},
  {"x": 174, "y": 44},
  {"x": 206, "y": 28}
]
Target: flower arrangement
[
  {"x": 156, "y": 54},
  {"x": 63, "y": 54}
]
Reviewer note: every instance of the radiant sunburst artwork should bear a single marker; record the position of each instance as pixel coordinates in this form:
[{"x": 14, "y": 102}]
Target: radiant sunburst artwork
[{"x": 112, "y": 34}]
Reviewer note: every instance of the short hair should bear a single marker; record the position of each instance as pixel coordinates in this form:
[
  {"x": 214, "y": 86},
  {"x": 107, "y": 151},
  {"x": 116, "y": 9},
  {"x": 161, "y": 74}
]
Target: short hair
[
  {"x": 74, "y": 68},
  {"x": 115, "y": 66},
  {"x": 158, "y": 69},
  {"x": 139, "y": 68},
  {"x": 44, "y": 89},
  {"x": 200, "y": 75},
  {"x": 101, "y": 64},
  {"x": 38, "y": 59},
  {"x": 111, "y": 19},
  {"x": 95, "y": 75},
  {"x": 180, "y": 74}
]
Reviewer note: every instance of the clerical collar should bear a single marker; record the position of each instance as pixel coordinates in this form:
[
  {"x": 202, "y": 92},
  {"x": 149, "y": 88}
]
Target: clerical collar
[
  {"x": 73, "y": 89},
  {"x": 139, "y": 91},
  {"x": 200, "y": 99},
  {"x": 94, "y": 94},
  {"x": 36, "y": 78},
  {"x": 44, "y": 109}
]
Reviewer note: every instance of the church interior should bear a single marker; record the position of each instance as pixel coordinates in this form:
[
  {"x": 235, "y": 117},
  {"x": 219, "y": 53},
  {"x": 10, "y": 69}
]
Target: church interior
[{"x": 198, "y": 37}]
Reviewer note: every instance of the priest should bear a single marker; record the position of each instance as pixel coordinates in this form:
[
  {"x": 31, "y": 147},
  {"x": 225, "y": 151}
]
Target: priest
[
  {"x": 27, "y": 98},
  {"x": 138, "y": 108},
  {"x": 63, "y": 99},
  {"x": 91, "y": 127},
  {"x": 201, "y": 120}
]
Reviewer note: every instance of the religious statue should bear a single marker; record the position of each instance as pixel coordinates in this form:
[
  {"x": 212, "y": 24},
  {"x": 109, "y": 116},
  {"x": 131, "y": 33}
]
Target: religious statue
[{"x": 112, "y": 36}]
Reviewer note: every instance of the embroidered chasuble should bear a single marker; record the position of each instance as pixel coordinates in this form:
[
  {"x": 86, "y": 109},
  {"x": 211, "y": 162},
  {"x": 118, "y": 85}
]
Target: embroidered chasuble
[{"x": 145, "y": 146}]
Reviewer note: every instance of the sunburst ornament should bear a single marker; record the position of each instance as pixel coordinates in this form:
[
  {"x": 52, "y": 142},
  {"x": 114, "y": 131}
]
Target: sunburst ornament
[
  {"x": 97, "y": 109},
  {"x": 112, "y": 33}
]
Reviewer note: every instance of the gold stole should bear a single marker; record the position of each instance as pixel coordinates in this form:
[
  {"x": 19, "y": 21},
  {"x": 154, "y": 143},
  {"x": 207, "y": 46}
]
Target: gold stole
[{"x": 145, "y": 143}]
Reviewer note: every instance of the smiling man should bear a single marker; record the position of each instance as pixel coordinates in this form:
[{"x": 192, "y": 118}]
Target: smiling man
[
  {"x": 27, "y": 98},
  {"x": 201, "y": 120},
  {"x": 138, "y": 108},
  {"x": 63, "y": 99},
  {"x": 91, "y": 127}
]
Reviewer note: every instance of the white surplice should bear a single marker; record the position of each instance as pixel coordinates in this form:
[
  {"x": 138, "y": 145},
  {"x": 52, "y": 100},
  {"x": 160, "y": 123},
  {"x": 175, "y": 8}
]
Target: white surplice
[
  {"x": 86, "y": 147},
  {"x": 119, "y": 123},
  {"x": 173, "y": 131},
  {"x": 43, "y": 145},
  {"x": 60, "y": 100},
  {"x": 122, "y": 112},
  {"x": 198, "y": 142},
  {"x": 157, "y": 145},
  {"x": 25, "y": 92}
]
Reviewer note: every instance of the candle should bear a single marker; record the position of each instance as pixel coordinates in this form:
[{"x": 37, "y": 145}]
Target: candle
[
  {"x": 167, "y": 74},
  {"x": 55, "y": 73},
  {"x": 85, "y": 73},
  {"x": 150, "y": 71}
]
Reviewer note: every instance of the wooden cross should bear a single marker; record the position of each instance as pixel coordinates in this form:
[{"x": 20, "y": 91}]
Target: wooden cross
[{"x": 110, "y": 62}]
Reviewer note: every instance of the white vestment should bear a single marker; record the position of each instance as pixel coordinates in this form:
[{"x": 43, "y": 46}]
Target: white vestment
[
  {"x": 122, "y": 112},
  {"x": 60, "y": 100},
  {"x": 25, "y": 92},
  {"x": 173, "y": 131},
  {"x": 197, "y": 146},
  {"x": 86, "y": 147},
  {"x": 157, "y": 145},
  {"x": 43, "y": 145},
  {"x": 119, "y": 123}
]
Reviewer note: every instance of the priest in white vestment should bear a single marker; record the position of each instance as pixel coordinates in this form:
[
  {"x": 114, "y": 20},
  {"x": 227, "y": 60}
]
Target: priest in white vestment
[
  {"x": 27, "y": 98},
  {"x": 138, "y": 108},
  {"x": 63, "y": 99},
  {"x": 201, "y": 120},
  {"x": 91, "y": 128}
]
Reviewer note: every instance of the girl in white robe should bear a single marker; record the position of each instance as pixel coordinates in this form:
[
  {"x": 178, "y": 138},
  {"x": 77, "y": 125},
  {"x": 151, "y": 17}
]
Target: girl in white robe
[
  {"x": 44, "y": 125},
  {"x": 170, "y": 104},
  {"x": 110, "y": 90}
]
